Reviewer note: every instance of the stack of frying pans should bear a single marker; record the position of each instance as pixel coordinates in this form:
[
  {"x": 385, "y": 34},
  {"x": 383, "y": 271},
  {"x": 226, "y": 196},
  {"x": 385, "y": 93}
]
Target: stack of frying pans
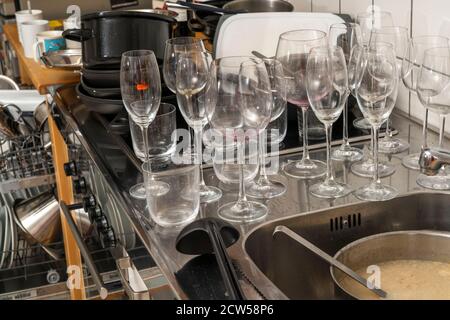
[{"x": 104, "y": 36}]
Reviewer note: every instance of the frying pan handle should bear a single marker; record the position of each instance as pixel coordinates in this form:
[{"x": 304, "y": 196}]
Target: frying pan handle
[
  {"x": 195, "y": 26},
  {"x": 78, "y": 35}
]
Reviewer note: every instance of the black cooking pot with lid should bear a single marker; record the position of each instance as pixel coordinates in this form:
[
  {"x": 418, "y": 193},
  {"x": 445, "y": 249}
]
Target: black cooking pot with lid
[{"x": 104, "y": 36}]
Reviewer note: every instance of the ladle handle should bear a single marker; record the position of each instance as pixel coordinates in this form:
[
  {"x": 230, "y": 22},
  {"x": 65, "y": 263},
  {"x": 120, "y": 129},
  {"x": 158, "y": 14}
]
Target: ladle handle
[
  {"x": 329, "y": 259},
  {"x": 223, "y": 260}
]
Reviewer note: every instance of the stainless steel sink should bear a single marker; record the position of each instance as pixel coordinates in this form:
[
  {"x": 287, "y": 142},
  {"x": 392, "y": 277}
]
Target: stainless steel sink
[{"x": 298, "y": 274}]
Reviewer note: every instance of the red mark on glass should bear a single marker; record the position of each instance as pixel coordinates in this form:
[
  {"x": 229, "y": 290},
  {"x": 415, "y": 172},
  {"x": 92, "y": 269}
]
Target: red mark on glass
[{"x": 141, "y": 86}]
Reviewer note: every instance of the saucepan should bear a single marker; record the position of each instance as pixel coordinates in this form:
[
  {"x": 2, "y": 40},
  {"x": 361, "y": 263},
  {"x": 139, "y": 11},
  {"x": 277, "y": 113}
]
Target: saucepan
[{"x": 402, "y": 252}]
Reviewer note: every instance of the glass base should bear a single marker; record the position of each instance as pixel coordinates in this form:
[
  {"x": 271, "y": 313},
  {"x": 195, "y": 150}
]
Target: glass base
[
  {"x": 347, "y": 153},
  {"x": 158, "y": 188},
  {"x": 265, "y": 189},
  {"x": 330, "y": 190},
  {"x": 366, "y": 169},
  {"x": 439, "y": 182},
  {"x": 305, "y": 169},
  {"x": 209, "y": 194},
  {"x": 243, "y": 211},
  {"x": 392, "y": 145},
  {"x": 376, "y": 192},
  {"x": 362, "y": 124},
  {"x": 411, "y": 161}
]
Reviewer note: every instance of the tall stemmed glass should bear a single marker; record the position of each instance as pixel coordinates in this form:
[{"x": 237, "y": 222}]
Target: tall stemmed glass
[
  {"x": 327, "y": 88},
  {"x": 378, "y": 80},
  {"x": 369, "y": 21},
  {"x": 433, "y": 89},
  {"x": 399, "y": 38},
  {"x": 140, "y": 86},
  {"x": 191, "y": 79},
  {"x": 173, "y": 47},
  {"x": 410, "y": 71},
  {"x": 263, "y": 187},
  {"x": 346, "y": 36},
  {"x": 293, "y": 51},
  {"x": 239, "y": 106}
]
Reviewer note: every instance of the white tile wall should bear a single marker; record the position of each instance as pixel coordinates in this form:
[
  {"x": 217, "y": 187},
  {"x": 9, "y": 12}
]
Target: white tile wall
[
  {"x": 325, "y": 6},
  {"x": 400, "y": 10},
  {"x": 353, "y": 7},
  {"x": 302, "y": 5}
]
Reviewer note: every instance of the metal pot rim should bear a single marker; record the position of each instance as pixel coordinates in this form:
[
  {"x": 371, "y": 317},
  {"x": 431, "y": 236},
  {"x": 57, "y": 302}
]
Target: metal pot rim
[{"x": 130, "y": 13}]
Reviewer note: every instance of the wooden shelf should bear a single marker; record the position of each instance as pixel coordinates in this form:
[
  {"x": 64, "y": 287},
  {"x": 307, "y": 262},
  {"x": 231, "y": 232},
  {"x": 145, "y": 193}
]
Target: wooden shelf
[{"x": 33, "y": 73}]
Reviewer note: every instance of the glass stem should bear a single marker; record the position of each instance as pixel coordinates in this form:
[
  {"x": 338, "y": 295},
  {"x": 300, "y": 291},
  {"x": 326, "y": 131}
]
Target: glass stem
[
  {"x": 144, "y": 130},
  {"x": 241, "y": 159},
  {"x": 388, "y": 134},
  {"x": 441, "y": 132},
  {"x": 376, "y": 176},
  {"x": 345, "y": 132},
  {"x": 305, "y": 134},
  {"x": 199, "y": 151},
  {"x": 262, "y": 156},
  {"x": 425, "y": 129},
  {"x": 328, "y": 129}
]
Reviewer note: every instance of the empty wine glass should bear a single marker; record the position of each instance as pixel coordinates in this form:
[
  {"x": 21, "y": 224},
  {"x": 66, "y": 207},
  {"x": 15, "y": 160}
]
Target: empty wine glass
[
  {"x": 433, "y": 90},
  {"x": 378, "y": 80},
  {"x": 173, "y": 47},
  {"x": 239, "y": 106},
  {"x": 292, "y": 51},
  {"x": 368, "y": 21},
  {"x": 327, "y": 88},
  {"x": 371, "y": 20},
  {"x": 346, "y": 36},
  {"x": 399, "y": 38},
  {"x": 140, "y": 86},
  {"x": 264, "y": 188},
  {"x": 410, "y": 70},
  {"x": 191, "y": 79}
]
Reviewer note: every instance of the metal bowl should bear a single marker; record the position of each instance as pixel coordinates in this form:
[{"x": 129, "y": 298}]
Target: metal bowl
[{"x": 399, "y": 245}]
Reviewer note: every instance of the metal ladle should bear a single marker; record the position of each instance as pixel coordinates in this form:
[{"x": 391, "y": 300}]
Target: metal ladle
[{"x": 335, "y": 263}]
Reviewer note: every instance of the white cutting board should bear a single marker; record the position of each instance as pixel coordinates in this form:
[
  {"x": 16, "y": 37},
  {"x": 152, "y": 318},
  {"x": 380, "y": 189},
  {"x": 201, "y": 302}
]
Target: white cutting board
[
  {"x": 240, "y": 34},
  {"x": 27, "y": 100}
]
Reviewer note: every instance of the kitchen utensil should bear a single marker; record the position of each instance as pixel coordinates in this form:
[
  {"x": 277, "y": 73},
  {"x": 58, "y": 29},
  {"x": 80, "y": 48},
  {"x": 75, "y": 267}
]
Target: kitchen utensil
[
  {"x": 101, "y": 78},
  {"x": 161, "y": 134},
  {"x": 105, "y": 35},
  {"x": 65, "y": 59},
  {"x": 12, "y": 124},
  {"x": 47, "y": 41},
  {"x": 332, "y": 261},
  {"x": 212, "y": 235},
  {"x": 209, "y": 8},
  {"x": 177, "y": 201},
  {"x": 39, "y": 220},
  {"x": 398, "y": 245},
  {"x": 260, "y": 31},
  {"x": 29, "y": 31},
  {"x": 9, "y": 82},
  {"x": 40, "y": 115},
  {"x": 99, "y": 105},
  {"x": 72, "y": 22},
  {"x": 108, "y": 93},
  {"x": 24, "y": 15},
  {"x": 259, "y": 6}
]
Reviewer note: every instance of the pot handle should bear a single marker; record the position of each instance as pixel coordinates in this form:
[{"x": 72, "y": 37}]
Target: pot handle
[
  {"x": 195, "y": 25},
  {"x": 78, "y": 35}
]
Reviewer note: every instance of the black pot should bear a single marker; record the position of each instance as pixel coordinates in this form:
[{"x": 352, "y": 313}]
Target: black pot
[
  {"x": 104, "y": 36},
  {"x": 99, "y": 105},
  {"x": 101, "y": 78},
  {"x": 98, "y": 92}
]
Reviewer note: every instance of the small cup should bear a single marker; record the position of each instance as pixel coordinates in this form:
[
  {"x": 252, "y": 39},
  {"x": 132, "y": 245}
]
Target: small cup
[
  {"x": 178, "y": 201},
  {"x": 161, "y": 140},
  {"x": 47, "y": 41},
  {"x": 25, "y": 15},
  {"x": 29, "y": 31}
]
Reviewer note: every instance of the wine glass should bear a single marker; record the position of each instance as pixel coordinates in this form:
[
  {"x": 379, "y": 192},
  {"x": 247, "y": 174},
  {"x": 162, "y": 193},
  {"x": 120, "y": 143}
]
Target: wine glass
[
  {"x": 292, "y": 51},
  {"x": 346, "y": 36},
  {"x": 433, "y": 90},
  {"x": 327, "y": 89},
  {"x": 140, "y": 86},
  {"x": 410, "y": 70},
  {"x": 399, "y": 38},
  {"x": 191, "y": 78},
  {"x": 369, "y": 21},
  {"x": 378, "y": 80},
  {"x": 173, "y": 47},
  {"x": 239, "y": 107},
  {"x": 263, "y": 187}
]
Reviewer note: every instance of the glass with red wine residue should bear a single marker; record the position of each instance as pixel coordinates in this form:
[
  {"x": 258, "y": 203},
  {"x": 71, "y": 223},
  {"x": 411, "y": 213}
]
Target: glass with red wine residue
[{"x": 293, "y": 51}]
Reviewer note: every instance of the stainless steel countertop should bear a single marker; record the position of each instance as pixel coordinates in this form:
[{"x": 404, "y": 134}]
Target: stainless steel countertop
[{"x": 121, "y": 173}]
